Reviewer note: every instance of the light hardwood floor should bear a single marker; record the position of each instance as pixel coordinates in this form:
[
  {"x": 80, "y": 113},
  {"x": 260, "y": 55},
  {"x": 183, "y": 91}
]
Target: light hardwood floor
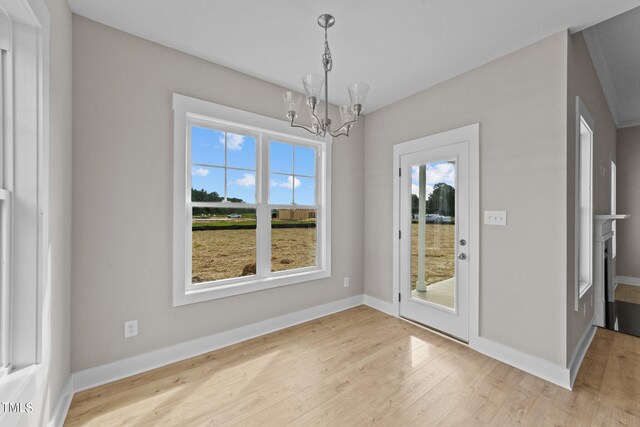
[
  {"x": 362, "y": 367},
  {"x": 628, "y": 293}
]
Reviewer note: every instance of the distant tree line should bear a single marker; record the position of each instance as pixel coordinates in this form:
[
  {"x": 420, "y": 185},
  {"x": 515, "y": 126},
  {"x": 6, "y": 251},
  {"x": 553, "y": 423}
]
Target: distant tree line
[
  {"x": 441, "y": 201},
  {"x": 204, "y": 196}
]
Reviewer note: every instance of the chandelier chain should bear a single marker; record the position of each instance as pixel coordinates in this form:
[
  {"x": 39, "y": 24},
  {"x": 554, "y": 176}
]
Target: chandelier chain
[{"x": 327, "y": 61}]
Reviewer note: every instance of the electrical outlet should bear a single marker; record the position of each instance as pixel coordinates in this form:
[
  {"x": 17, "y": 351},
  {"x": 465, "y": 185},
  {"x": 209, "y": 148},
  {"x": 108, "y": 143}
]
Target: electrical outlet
[
  {"x": 130, "y": 328},
  {"x": 495, "y": 217},
  {"x": 346, "y": 282}
]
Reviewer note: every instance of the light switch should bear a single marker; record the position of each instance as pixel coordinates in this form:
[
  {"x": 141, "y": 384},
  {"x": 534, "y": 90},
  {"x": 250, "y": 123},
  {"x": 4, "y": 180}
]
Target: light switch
[{"x": 495, "y": 217}]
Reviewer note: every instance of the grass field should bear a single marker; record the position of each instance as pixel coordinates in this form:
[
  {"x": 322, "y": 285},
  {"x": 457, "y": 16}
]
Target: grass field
[
  {"x": 223, "y": 254},
  {"x": 440, "y": 256}
]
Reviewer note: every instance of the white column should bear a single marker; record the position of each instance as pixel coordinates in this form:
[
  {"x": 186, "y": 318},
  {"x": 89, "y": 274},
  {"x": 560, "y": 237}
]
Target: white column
[{"x": 422, "y": 181}]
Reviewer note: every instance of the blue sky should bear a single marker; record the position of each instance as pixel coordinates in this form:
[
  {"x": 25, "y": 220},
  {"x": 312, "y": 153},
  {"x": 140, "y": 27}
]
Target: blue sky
[
  {"x": 287, "y": 176},
  {"x": 437, "y": 172}
]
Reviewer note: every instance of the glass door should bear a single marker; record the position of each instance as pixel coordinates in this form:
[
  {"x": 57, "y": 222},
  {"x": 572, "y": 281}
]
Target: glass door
[{"x": 434, "y": 275}]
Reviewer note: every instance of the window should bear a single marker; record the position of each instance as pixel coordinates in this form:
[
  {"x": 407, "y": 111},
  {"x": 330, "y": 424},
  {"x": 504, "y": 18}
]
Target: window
[
  {"x": 251, "y": 203},
  {"x": 614, "y": 210},
  {"x": 5, "y": 222},
  {"x": 584, "y": 202}
]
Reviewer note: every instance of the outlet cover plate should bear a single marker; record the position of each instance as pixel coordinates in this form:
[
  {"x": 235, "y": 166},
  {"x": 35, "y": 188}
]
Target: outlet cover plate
[
  {"x": 495, "y": 217},
  {"x": 130, "y": 328}
]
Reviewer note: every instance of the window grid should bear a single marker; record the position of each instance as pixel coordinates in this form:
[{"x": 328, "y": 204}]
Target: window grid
[{"x": 263, "y": 209}]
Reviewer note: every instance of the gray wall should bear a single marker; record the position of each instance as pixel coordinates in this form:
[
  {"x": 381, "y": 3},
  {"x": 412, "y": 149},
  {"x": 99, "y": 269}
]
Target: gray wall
[
  {"x": 628, "y": 202},
  {"x": 583, "y": 81},
  {"x": 122, "y": 198},
  {"x": 57, "y": 312},
  {"x": 520, "y": 102}
]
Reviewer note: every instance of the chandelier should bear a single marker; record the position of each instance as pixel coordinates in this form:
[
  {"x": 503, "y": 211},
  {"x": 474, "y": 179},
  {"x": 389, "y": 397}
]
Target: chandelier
[{"x": 313, "y": 87}]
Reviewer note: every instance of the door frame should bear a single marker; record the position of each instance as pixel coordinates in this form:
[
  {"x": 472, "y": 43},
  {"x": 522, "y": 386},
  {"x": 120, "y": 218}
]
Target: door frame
[{"x": 469, "y": 133}]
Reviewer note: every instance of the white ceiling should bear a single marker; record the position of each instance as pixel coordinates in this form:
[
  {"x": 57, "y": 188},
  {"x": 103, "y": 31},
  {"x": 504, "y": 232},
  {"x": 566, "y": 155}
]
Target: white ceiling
[
  {"x": 614, "y": 46},
  {"x": 398, "y": 47}
]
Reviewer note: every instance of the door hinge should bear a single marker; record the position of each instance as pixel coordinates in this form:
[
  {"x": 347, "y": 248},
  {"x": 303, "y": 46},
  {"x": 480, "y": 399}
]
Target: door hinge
[
  {"x": 399, "y": 297},
  {"x": 399, "y": 171},
  {"x": 399, "y": 234}
]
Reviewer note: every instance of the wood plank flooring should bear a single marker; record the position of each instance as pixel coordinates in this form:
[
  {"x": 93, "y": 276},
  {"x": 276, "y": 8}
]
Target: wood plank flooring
[
  {"x": 628, "y": 293},
  {"x": 362, "y": 367}
]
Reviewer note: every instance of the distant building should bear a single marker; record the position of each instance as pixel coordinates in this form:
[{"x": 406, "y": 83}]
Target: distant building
[{"x": 297, "y": 214}]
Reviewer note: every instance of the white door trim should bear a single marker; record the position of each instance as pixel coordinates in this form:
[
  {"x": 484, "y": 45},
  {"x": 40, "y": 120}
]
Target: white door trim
[{"x": 469, "y": 133}]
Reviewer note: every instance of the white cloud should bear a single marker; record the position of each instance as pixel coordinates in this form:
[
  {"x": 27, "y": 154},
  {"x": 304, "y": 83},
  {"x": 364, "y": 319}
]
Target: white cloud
[
  {"x": 247, "y": 180},
  {"x": 436, "y": 173},
  {"x": 199, "y": 171},
  {"x": 234, "y": 142},
  {"x": 290, "y": 184},
  {"x": 441, "y": 172}
]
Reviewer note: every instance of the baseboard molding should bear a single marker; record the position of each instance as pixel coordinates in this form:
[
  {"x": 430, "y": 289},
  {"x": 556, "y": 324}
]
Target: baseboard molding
[
  {"x": 62, "y": 406},
  {"x": 533, "y": 365},
  {"x": 626, "y": 280},
  {"x": 580, "y": 352},
  {"x": 117, "y": 370},
  {"x": 378, "y": 304}
]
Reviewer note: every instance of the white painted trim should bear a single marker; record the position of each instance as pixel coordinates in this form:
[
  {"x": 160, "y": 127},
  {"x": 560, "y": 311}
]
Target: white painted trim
[
  {"x": 189, "y": 111},
  {"x": 533, "y": 365},
  {"x": 626, "y": 280},
  {"x": 472, "y": 134},
  {"x": 62, "y": 407},
  {"x": 380, "y": 305},
  {"x": 582, "y": 113},
  {"x": 580, "y": 352},
  {"x": 114, "y": 371}
]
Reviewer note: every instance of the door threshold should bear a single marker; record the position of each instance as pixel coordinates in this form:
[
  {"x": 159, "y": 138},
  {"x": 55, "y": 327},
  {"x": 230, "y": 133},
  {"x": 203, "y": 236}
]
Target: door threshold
[{"x": 435, "y": 331}]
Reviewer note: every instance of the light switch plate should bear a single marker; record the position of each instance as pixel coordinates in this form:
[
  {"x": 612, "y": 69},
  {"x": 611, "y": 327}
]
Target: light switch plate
[{"x": 495, "y": 217}]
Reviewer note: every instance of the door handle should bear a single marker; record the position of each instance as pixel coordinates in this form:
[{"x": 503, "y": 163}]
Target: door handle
[{"x": 462, "y": 256}]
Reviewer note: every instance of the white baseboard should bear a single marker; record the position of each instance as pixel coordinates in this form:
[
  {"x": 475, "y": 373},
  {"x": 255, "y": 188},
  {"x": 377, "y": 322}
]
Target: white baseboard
[
  {"x": 62, "y": 407},
  {"x": 626, "y": 280},
  {"x": 580, "y": 351},
  {"x": 533, "y": 365},
  {"x": 378, "y": 304},
  {"x": 114, "y": 371}
]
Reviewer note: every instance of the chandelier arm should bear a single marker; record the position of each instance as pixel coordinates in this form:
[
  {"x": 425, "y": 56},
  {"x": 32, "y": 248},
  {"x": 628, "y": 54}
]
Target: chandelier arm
[
  {"x": 345, "y": 125},
  {"x": 316, "y": 118},
  {"x": 336, "y": 134},
  {"x": 310, "y": 130}
]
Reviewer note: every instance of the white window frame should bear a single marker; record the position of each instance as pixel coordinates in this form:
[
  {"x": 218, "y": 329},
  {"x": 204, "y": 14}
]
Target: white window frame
[
  {"x": 583, "y": 278},
  {"x": 614, "y": 208},
  {"x": 24, "y": 35},
  {"x": 189, "y": 111}
]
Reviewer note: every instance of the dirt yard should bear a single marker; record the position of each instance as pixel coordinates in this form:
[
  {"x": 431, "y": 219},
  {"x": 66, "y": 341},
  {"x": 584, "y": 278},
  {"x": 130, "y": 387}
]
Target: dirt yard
[
  {"x": 440, "y": 257},
  {"x": 223, "y": 254}
]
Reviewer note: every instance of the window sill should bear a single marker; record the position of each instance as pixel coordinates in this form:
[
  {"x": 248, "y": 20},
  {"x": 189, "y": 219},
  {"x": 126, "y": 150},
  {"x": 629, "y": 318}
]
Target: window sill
[
  {"x": 194, "y": 295},
  {"x": 584, "y": 287},
  {"x": 14, "y": 384}
]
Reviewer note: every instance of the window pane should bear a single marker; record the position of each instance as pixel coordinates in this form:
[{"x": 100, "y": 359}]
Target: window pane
[
  {"x": 207, "y": 146},
  {"x": 305, "y": 191},
  {"x": 281, "y": 189},
  {"x": 433, "y": 233},
  {"x": 281, "y": 157},
  {"x": 293, "y": 239},
  {"x": 305, "y": 163},
  {"x": 241, "y": 151},
  {"x": 241, "y": 186},
  {"x": 207, "y": 184},
  {"x": 223, "y": 243}
]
